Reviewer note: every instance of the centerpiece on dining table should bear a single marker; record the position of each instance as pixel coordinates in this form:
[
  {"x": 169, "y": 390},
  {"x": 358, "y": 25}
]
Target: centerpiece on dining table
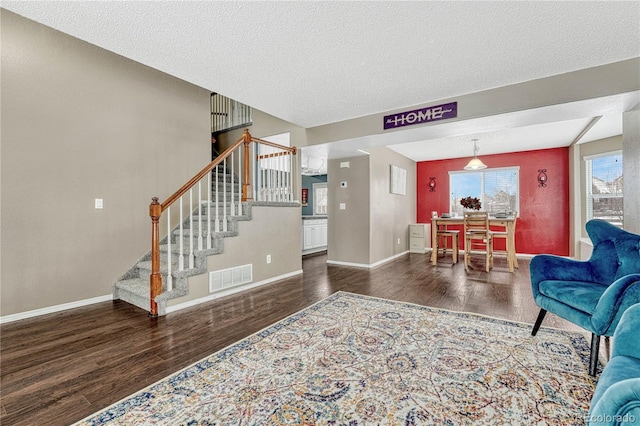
[{"x": 471, "y": 203}]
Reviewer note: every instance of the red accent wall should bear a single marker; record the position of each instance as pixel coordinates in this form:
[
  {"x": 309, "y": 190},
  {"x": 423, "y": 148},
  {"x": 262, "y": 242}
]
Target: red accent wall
[{"x": 543, "y": 225}]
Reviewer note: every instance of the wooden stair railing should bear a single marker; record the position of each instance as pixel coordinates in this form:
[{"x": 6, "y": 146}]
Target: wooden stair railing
[{"x": 265, "y": 173}]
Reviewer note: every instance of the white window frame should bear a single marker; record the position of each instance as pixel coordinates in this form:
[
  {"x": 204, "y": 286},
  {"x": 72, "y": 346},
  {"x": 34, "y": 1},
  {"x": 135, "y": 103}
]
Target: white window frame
[
  {"x": 589, "y": 195},
  {"x": 320, "y": 210},
  {"x": 454, "y": 203}
]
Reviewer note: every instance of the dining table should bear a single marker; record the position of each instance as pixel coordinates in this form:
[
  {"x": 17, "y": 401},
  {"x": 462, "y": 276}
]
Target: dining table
[{"x": 506, "y": 223}]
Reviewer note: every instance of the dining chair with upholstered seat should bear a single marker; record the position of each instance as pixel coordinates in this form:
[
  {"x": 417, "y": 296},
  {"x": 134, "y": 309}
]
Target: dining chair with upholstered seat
[{"x": 477, "y": 236}]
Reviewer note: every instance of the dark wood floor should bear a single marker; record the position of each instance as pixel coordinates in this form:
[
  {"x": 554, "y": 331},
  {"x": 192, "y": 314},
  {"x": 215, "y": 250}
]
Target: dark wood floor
[{"x": 59, "y": 368}]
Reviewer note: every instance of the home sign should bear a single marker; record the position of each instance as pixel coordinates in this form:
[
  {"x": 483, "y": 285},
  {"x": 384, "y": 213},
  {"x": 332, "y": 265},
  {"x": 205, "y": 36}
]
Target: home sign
[{"x": 422, "y": 115}]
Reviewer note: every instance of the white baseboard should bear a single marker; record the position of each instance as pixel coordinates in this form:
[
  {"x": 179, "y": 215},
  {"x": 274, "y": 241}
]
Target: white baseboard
[
  {"x": 229, "y": 291},
  {"x": 53, "y": 309},
  {"x": 366, "y": 265}
]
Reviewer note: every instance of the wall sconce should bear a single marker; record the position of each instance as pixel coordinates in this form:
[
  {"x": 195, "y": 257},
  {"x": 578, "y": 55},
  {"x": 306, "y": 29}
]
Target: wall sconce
[
  {"x": 542, "y": 178},
  {"x": 432, "y": 184}
]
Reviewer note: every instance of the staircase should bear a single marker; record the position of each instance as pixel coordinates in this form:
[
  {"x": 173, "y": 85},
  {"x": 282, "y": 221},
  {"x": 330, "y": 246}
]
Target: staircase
[
  {"x": 265, "y": 170},
  {"x": 133, "y": 286}
]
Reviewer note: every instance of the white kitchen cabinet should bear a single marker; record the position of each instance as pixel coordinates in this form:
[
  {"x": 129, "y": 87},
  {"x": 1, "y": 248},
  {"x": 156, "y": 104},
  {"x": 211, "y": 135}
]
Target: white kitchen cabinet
[{"x": 314, "y": 235}]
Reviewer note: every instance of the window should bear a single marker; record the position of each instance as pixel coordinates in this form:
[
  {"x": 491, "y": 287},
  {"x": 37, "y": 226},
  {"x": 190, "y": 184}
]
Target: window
[
  {"x": 320, "y": 199},
  {"x": 497, "y": 189},
  {"x": 604, "y": 187}
]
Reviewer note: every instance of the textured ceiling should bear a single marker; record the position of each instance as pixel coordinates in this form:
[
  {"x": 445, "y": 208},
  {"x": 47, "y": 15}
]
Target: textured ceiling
[{"x": 314, "y": 63}]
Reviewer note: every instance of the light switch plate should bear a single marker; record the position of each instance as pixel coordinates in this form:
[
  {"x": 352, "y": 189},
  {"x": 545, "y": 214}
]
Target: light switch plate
[
  {"x": 343, "y": 184},
  {"x": 98, "y": 203},
  {"x": 343, "y": 206}
]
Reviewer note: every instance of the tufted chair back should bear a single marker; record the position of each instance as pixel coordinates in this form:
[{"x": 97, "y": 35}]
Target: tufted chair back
[{"x": 616, "y": 252}]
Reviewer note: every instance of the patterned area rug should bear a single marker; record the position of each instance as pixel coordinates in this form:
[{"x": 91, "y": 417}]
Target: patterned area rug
[{"x": 358, "y": 360}]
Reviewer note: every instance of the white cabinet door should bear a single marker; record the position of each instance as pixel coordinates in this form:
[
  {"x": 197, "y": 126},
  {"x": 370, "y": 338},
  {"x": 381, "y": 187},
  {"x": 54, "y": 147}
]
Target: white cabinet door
[
  {"x": 314, "y": 234},
  {"x": 309, "y": 237},
  {"x": 323, "y": 233}
]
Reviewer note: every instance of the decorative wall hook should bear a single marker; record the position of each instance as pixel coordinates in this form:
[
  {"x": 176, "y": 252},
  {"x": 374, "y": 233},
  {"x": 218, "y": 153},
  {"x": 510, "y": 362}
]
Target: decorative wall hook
[
  {"x": 432, "y": 184},
  {"x": 542, "y": 177}
]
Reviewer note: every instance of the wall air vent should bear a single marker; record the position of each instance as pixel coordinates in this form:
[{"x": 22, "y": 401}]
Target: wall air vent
[{"x": 231, "y": 277}]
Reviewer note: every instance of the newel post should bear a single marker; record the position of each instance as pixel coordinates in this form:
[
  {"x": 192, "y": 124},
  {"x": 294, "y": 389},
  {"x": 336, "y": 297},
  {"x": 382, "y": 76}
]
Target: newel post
[
  {"x": 155, "y": 210},
  {"x": 245, "y": 175}
]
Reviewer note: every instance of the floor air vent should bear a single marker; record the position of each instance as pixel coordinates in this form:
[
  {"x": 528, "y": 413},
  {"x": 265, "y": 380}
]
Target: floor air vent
[{"x": 230, "y": 277}]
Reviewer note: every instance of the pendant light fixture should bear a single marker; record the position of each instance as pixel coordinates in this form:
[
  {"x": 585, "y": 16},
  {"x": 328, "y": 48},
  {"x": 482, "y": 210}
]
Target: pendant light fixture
[{"x": 475, "y": 163}]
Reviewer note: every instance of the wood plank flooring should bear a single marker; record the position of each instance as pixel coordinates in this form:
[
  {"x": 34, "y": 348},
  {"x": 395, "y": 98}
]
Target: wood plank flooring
[{"x": 59, "y": 368}]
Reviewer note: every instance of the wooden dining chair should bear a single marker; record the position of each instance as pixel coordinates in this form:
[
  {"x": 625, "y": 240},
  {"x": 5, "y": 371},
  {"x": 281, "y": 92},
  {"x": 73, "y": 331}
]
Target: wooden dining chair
[
  {"x": 443, "y": 245},
  {"x": 477, "y": 236},
  {"x": 504, "y": 235},
  {"x": 443, "y": 235}
]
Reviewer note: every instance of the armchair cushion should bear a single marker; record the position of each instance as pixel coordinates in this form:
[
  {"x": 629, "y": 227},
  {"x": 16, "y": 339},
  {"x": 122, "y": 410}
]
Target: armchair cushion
[
  {"x": 616, "y": 400},
  {"x": 580, "y": 295}
]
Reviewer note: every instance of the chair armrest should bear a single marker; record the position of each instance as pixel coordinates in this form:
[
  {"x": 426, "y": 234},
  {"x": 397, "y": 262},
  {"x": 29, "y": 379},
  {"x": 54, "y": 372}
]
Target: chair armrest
[
  {"x": 619, "y": 404},
  {"x": 625, "y": 338},
  {"x": 549, "y": 267},
  {"x": 619, "y": 296}
]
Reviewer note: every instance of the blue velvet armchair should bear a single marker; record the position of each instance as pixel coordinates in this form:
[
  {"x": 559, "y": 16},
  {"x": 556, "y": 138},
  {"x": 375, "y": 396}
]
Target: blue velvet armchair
[
  {"x": 594, "y": 293},
  {"x": 616, "y": 400}
]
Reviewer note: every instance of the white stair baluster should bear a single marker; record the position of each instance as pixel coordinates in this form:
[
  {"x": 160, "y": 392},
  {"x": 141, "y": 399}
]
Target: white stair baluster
[
  {"x": 285, "y": 163},
  {"x": 169, "y": 254},
  {"x": 217, "y": 202},
  {"x": 224, "y": 196},
  {"x": 233, "y": 199},
  {"x": 281, "y": 177},
  {"x": 209, "y": 211},
  {"x": 276, "y": 176},
  {"x": 181, "y": 241},
  {"x": 191, "y": 228},
  {"x": 269, "y": 178},
  {"x": 272, "y": 176},
  {"x": 258, "y": 174},
  {"x": 253, "y": 165},
  {"x": 200, "y": 215},
  {"x": 240, "y": 188},
  {"x": 287, "y": 177},
  {"x": 291, "y": 177}
]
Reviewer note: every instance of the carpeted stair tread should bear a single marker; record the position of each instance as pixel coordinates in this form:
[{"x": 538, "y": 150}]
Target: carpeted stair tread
[{"x": 134, "y": 291}]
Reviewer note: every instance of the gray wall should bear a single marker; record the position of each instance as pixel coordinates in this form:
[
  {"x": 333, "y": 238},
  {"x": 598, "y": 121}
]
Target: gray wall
[
  {"x": 79, "y": 123},
  {"x": 272, "y": 231},
  {"x": 348, "y": 229},
  {"x": 367, "y": 231},
  {"x": 390, "y": 213},
  {"x": 631, "y": 169},
  {"x": 265, "y": 125}
]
